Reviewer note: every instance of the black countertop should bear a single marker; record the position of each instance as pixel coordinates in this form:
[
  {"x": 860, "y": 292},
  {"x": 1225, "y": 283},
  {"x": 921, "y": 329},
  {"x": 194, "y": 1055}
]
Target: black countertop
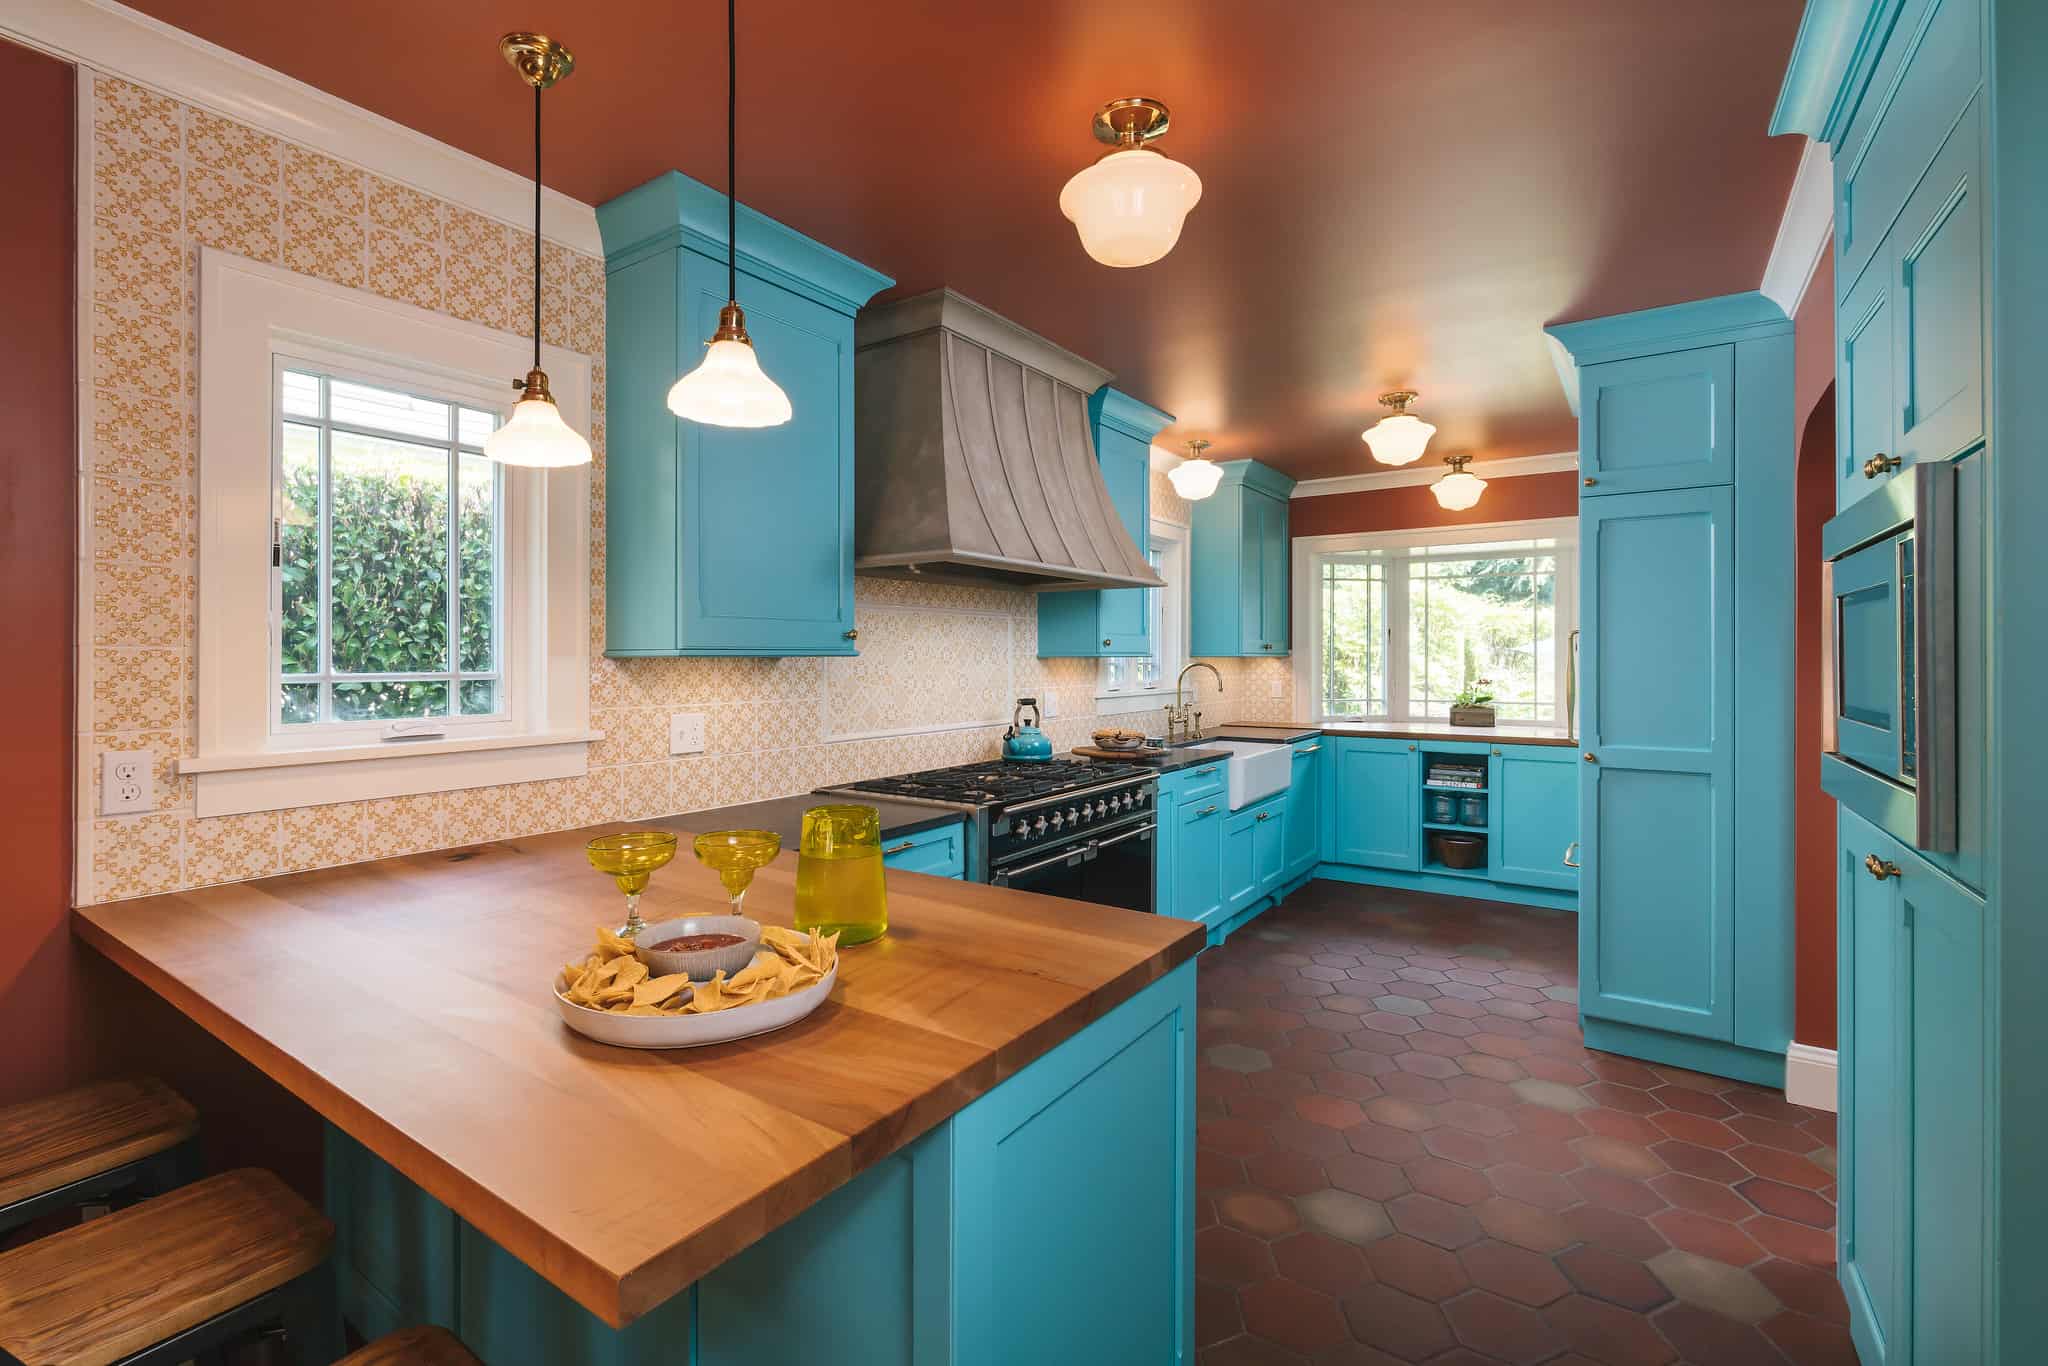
[{"x": 785, "y": 815}]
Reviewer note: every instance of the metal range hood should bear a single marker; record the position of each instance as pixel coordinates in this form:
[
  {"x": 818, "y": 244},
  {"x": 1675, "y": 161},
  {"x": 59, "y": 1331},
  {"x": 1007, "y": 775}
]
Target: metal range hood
[{"x": 975, "y": 456}]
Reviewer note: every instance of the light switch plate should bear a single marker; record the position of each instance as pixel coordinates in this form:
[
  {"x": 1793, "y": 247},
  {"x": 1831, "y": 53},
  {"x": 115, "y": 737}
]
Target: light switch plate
[
  {"x": 686, "y": 732},
  {"x": 1279, "y": 689},
  {"x": 1049, "y": 706},
  {"x": 127, "y": 781}
]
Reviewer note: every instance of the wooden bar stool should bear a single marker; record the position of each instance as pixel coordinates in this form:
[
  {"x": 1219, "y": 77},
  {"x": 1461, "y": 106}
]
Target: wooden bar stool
[
  {"x": 425, "y": 1346},
  {"x": 130, "y": 1135},
  {"x": 173, "y": 1277}
]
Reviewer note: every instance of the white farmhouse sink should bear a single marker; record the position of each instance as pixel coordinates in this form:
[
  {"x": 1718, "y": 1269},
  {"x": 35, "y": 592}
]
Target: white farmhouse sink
[{"x": 1257, "y": 769}]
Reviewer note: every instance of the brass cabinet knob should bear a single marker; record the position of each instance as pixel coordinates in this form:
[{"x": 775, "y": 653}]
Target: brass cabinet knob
[
  {"x": 1880, "y": 868},
  {"x": 1267, "y": 646},
  {"x": 1591, "y": 482},
  {"x": 854, "y": 634},
  {"x": 1589, "y": 757},
  {"x": 1105, "y": 640},
  {"x": 1411, "y": 747},
  {"x": 1880, "y": 464},
  {"x": 1265, "y": 815}
]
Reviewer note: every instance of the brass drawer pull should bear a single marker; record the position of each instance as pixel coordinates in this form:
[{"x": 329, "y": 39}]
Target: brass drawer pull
[
  {"x": 1206, "y": 811},
  {"x": 899, "y": 848},
  {"x": 1880, "y": 464},
  {"x": 1265, "y": 815},
  {"x": 1591, "y": 482},
  {"x": 1880, "y": 868},
  {"x": 1308, "y": 749},
  {"x": 1569, "y": 850}
]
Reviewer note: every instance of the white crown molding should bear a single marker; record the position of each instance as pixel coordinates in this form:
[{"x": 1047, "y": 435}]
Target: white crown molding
[
  {"x": 1804, "y": 232},
  {"x": 111, "y": 38},
  {"x": 1428, "y": 472},
  {"x": 1810, "y": 1076},
  {"x": 1567, "y": 371}
]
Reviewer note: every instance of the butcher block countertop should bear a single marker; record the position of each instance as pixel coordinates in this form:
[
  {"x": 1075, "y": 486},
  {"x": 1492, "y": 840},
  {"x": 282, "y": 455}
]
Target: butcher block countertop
[{"x": 409, "y": 1002}]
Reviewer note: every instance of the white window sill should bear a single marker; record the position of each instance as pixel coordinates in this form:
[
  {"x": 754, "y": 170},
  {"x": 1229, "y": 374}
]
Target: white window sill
[
  {"x": 1116, "y": 703},
  {"x": 268, "y": 780}
]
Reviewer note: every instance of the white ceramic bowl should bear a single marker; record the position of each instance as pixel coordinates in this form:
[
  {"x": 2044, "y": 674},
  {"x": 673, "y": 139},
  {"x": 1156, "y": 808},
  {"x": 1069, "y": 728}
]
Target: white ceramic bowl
[
  {"x": 694, "y": 1031},
  {"x": 700, "y": 963}
]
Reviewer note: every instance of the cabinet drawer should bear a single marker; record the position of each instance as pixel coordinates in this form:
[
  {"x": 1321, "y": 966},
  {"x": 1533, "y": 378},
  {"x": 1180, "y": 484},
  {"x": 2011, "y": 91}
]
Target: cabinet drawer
[
  {"x": 1198, "y": 784},
  {"x": 941, "y": 852},
  {"x": 1929, "y": 69}
]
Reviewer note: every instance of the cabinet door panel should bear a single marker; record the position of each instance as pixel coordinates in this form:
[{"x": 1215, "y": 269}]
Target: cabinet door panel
[
  {"x": 1535, "y": 811},
  {"x": 790, "y": 592},
  {"x": 1873, "y": 1081},
  {"x": 1659, "y": 422},
  {"x": 1863, "y": 375},
  {"x": 1375, "y": 822},
  {"x": 1198, "y": 874},
  {"x": 1273, "y": 553},
  {"x": 1124, "y": 613},
  {"x": 1240, "y": 861},
  {"x": 1304, "y": 811},
  {"x": 1251, "y": 545},
  {"x": 1938, "y": 281},
  {"x": 1269, "y": 844},
  {"x": 1656, "y": 908}
]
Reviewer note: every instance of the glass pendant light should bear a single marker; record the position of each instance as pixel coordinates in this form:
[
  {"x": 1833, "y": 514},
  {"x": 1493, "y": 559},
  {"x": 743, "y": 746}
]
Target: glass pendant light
[
  {"x": 1129, "y": 206},
  {"x": 1460, "y": 488},
  {"x": 1196, "y": 477},
  {"x": 536, "y": 434},
  {"x": 1398, "y": 438},
  {"x": 729, "y": 388}
]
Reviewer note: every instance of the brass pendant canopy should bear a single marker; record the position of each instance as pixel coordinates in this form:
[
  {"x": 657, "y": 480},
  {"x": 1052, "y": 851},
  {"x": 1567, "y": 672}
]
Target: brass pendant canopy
[
  {"x": 539, "y": 59},
  {"x": 1131, "y": 122}
]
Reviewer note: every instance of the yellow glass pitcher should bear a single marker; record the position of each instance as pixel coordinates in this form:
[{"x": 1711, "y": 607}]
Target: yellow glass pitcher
[{"x": 839, "y": 874}]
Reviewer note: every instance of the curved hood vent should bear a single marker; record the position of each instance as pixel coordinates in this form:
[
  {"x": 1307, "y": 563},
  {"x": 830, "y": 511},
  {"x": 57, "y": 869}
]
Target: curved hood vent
[{"x": 974, "y": 454}]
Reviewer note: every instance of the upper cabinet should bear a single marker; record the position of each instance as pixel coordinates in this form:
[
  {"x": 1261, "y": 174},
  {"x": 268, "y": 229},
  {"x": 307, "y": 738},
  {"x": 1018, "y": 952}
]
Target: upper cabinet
[
  {"x": 1238, "y": 543},
  {"x": 719, "y": 540},
  {"x": 1110, "y": 622}
]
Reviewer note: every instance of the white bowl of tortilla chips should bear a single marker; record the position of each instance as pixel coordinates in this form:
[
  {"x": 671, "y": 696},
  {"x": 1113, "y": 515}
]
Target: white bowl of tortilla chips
[{"x": 610, "y": 997}]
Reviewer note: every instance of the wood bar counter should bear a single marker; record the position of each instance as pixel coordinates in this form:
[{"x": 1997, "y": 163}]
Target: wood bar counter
[{"x": 408, "y": 1001}]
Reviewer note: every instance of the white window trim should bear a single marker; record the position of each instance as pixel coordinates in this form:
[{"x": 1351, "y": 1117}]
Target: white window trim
[
  {"x": 1172, "y": 651},
  {"x": 1308, "y": 622},
  {"x": 249, "y": 314}
]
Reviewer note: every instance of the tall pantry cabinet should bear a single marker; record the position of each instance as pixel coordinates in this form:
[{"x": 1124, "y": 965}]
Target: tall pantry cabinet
[
  {"x": 1686, "y": 649},
  {"x": 1935, "y": 116}
]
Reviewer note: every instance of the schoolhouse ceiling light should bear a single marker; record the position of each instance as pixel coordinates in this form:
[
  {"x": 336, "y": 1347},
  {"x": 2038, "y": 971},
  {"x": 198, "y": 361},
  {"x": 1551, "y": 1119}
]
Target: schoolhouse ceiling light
[
  {"x": 1459, "y": 489},
  {"x": 1196, "y": 477},
  {"x": 1129, "y": 206},
  {"x": 1398, "y": 438}
]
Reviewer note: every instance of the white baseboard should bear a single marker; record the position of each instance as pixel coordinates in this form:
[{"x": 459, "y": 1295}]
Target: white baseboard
[{"x": 1810, "y": 1076}]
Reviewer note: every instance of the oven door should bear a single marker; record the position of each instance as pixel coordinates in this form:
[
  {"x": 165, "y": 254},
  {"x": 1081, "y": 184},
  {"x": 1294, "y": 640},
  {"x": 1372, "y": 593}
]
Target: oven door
[{"x": 1114, "y": 869}]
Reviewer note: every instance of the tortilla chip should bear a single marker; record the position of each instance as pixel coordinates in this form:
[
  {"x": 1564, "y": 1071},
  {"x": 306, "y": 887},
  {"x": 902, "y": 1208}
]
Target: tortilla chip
[{"x": 659, "y": 990}]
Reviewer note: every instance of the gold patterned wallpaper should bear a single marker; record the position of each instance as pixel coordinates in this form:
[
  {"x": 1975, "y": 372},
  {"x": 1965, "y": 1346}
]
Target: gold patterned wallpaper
[{"x": 939, "y": 667}]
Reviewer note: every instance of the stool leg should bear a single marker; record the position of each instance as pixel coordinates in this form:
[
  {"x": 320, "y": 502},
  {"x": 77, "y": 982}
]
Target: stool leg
[{"x": 312, "y": 1319}]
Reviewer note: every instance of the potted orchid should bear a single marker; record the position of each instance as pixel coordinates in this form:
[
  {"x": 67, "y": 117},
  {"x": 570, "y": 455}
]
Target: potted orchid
[{"x": 1469, "y": 707}]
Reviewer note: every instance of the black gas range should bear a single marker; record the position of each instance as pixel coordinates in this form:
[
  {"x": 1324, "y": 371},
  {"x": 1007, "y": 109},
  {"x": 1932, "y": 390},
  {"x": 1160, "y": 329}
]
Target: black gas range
[{"x": 1067, "y": 828}]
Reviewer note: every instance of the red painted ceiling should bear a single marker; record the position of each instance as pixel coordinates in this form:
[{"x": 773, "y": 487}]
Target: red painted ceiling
[{"x": 1393, "y": 193}]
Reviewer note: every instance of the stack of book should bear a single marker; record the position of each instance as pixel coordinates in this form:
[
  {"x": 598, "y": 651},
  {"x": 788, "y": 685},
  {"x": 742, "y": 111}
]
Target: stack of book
[{"x": 1444, "y": 773}]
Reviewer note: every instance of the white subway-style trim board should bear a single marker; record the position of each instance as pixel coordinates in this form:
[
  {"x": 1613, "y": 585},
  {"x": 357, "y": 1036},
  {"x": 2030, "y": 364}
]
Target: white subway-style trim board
[
  {"x": 1810, "y": 1076},
  {"x": 112, "y": 38}
]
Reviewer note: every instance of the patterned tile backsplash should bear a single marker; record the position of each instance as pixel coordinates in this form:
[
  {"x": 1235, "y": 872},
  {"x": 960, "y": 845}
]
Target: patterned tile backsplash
[{"x": 939, "y": 667}]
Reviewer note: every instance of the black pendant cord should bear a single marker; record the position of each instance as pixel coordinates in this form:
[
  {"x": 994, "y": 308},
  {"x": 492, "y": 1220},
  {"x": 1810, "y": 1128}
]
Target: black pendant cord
[
  {"x": 536, "y": 227},
  {"x": 732, "y": 201}
]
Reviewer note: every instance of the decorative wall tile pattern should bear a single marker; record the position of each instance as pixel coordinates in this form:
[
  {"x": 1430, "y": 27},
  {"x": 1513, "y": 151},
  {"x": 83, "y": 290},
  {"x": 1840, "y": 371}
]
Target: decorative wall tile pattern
[{"x": 939, "y": 668}]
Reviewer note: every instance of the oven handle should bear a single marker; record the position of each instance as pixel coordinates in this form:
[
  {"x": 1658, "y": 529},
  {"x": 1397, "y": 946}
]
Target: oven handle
[{"x": 1137, "y": 832}]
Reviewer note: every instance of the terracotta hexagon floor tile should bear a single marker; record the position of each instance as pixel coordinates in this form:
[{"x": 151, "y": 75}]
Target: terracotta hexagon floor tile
[
  {"x": 1484, "y": 1090},
  {"x": 1384, "y": 1317},
  {"x": 1334, "y": 1112},
  {"x": 1344, "y": 1215},
  {"x": 1371, "y": 1177},
  {"x": 1621, "y": 1233},
  {"x": 1234, "y": 1137},
  {"x": 1383, "y": 1140},
  {"x": 1694, "y": 1102},
  {"x": 1545, "y": 1190},
  {"x": 1485, "y": 1120},
  {"x": 1698, "y": 1081},
  {"x": 1710, "y": 1198},
  {"x": 1501, "y": 1330},
  {"x": 1399, "y": 1114},
  {"x": 1811, "y": 1341},
  {"x": 1626, "y": 1071},
  {"x": 1421, "y": 1269},
  {"x": 1513, "y": 1272},
  {"x": 1305, "y": 1136},
  {"x": 1447, "y": 1181},
  {"x": 1494, "y": 1069},
  {"x": 1292, "y": 1315},
  {"x": 1607, "y": 1332},
  {"x": 1696, "y": 1129},
  {"x": 1629, "y": 1128},
  {"x": 1615, "y": 1096},
  {"x": 1793, "y": 1242},
  {"x": 1216, "y": 1316},
  {"x": 1808, "y": 1289},
  {"x": 1321, "y": 1262},
  {"x": 1217, "y": 1171},
  {"x": 1715, "y": 1238},
  {"x": 1694, "y": 1160},
  {"x": 1772, "y": 1134},
  {"x": 1704, "y": 1338},
  {"x": 1425, "y": 1063},
  {"x": 1788, "y": 1202},
  {"x": 1463, "y": 1146},
  {"x": 1603, "y": 1187},
  {"x": 1778, "y": 1165},
  {"x": 1625, "y": 1281},
  {"x": 1230, "y": 1257},
  {"x": 1500, "y": 1045},
  {"x": 1433, "y": 1220},
  {"x": 1284, "y": 1173},
  {"x": 1619, "y": 1156},
  {"x": 1526, "y": 1225},
  {"x": 1412, "y": 1086},
  {"x": 1755, "y": 1100},
  {"x": 1256, "y": 1212},
  {"x": 1365, "y": 1062}
]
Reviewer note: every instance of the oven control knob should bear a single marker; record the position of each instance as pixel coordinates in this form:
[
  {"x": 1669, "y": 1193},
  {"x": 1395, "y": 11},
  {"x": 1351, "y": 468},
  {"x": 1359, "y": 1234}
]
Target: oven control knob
[
  {"x": 1058, "y": 820},
  {"x": 1101, "y": 807},
  {"x": 1126, "y": 801},
  {"x": 1037, "y": 827},
  {"x": 1073, "y": 816},
  {"x": 1143, "y": 796}
]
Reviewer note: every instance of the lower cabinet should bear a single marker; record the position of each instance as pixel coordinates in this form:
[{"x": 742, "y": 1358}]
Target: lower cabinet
[
  {"x": 1198, "y": 860},
  {"x": 940, "y": 852},
  {"x": 1303, "y": 826},
  {"x": 1373, "y": 818},
  {"x": 1911, "y": 1232},
  {"x": 1254, "y": 850},
  {"x": 1534, "y": 814}
]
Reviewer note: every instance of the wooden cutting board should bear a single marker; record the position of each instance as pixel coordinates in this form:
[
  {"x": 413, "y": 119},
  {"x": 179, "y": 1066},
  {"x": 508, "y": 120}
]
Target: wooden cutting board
[{"x": 1128, "y": 756}]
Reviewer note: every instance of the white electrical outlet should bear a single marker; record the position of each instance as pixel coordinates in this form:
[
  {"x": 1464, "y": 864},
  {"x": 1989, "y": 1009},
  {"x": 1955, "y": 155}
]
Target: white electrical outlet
[
  {"x": 1049, "y": 706},
  {"x": 1279, "y": 686},
  {"x": 686, "y": 732},
  {"x": 127, "y": 781}
]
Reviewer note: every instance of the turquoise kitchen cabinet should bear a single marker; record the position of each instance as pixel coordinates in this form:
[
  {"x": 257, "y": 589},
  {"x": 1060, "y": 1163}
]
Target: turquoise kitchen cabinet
[
  {"x": 1374, "y": 821},
  {"x": 1240, "y": 861},
  {"x": 1533, "y": 814},
  {"x": 1934, "y": 114},
  {"x": 1269, "y": 844},
  {"x": 689, "y": 566},
  {"x": 1685, "y": 790},
  {"x": 939, "y": 852},
  {"x": 1198, "y": 877},
  {"x": 1238, "y": 564},
  {"x": 1302, "y": 843},
  {"x": 1865, "y": 427},
  {"x": 1111, "y": 622},
  {"x": 1658, "y": 422}
]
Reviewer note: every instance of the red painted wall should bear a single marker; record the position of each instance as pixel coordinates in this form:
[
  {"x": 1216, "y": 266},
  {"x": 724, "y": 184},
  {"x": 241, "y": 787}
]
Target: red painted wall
[
  {"x": 1813, "y": 342},
  {"x": 1401, "y": 509},
  {"x": 67, "y": 1015}
]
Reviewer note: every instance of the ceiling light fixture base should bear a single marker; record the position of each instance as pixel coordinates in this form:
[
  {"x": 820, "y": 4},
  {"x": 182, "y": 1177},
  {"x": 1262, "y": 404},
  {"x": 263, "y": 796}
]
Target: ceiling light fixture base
[
  {"x": 539, "y": 59},
  {"x": 1398, "y": 399},
  {"x": 1130, "y": 122}
]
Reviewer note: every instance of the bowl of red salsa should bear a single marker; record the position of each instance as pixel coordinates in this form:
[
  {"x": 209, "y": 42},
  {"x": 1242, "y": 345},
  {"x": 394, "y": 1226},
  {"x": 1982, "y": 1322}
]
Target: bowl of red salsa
[{"x": 699, "y": 945}]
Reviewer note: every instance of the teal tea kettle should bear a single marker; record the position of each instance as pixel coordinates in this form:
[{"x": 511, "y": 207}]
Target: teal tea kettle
[{"x": 1024, "y": 741}]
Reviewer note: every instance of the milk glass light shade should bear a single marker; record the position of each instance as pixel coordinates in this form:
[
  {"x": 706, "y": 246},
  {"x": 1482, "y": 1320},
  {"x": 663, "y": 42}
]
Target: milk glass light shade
[
  {"x": 1399, "y": 439},
  {"x": 536, "y": 436},
  {"x": 1458, "y": 490},
  {"x": 1195, "y": 479},
  {"x": 729, "y": 389},
  {"x": 1129, "y": 206}
]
